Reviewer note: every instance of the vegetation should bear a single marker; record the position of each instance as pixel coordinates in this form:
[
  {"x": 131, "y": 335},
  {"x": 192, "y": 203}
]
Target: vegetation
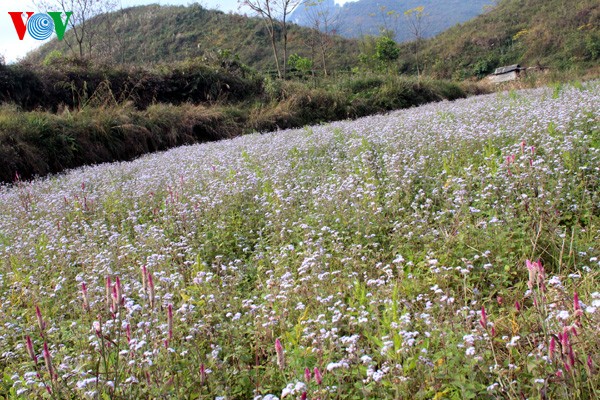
[
  {"x": 449, "y": 251},
  {"x": 552, "y": 34},
  {"x": 69, "y": 114},
  {"x": 143, "y": 35}
]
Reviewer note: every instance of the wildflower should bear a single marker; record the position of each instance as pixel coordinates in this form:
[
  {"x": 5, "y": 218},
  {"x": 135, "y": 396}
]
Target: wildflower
[
  {"x": 84, "y": 295},
  {"x": 307, "y": 375},
  {"x": 30, "y": 350},
  {"x": 518, "y": 306},
  {"x": 144, "y": 278},
  {"x": 577, "y": 307},
  {"x": 151, "y": 290},
  {"x": 170, "y": 320},
  {"x": 40, "y": 320},
  {"x": 202, "y": 374},
  {"x": 483, "y": 320},
  {"x": 318, "y": 377},
  {"x": 119, "y": 291},
  {"x": 280, "y": 356},
  {"x": 48, "y": 361},
  {"x": 108, "y": 291},
  {"x": 552, "y": 347}
]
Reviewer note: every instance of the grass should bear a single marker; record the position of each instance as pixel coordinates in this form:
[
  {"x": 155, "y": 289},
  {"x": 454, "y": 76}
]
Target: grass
[
  {"x": 102, "y": 125},
  {"x": 395, "y": 256}
]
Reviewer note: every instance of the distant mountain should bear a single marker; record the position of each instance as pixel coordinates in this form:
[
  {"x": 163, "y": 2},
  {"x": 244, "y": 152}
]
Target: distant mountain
[
  {"x": 369, "y": 17},
  {"x": 158, "y": 34}
]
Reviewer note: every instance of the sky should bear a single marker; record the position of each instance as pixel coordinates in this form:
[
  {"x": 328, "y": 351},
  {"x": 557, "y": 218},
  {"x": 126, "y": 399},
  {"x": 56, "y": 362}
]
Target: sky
[{"x": 12, "y": 49}]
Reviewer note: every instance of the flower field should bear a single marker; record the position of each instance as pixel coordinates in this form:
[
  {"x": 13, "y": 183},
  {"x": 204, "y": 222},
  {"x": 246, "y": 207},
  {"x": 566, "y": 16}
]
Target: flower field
[{"x": 449, "y": 251}]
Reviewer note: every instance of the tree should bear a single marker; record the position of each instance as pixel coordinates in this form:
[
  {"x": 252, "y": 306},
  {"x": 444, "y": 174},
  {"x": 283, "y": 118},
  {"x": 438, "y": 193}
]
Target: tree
[
  {"x": 325, "y": 21},
  {"x": 274, "y": 13},
  {"x": 302, "y": 64},
  {"x": 417, "y": 24},
  {"x": 386, "y": 50},
  {"x": 84, "y": 33}
]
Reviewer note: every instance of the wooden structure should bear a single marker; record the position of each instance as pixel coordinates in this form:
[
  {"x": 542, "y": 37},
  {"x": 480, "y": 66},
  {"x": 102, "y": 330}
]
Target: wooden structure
[{"x": 506, "y": 74}]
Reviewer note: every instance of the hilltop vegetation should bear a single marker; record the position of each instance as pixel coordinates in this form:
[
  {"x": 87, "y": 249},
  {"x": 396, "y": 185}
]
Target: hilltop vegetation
[
  {"x": 149, "y": 34},
  {"x": 552, "y": 33}
]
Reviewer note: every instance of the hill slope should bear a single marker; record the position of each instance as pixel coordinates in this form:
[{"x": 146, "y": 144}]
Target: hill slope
[
  {"x": 147, "y": 34},
  {"x": 367, "y": 17},
  {"x": 547, "y": 32}
]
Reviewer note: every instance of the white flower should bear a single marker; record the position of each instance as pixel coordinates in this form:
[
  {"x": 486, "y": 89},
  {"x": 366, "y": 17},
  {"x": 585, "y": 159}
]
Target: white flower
[{"x": 564, "y": 314}]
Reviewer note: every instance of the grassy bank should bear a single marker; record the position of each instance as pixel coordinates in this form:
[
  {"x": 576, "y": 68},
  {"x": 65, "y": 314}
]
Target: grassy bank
[{"x": 105, "y": 119}]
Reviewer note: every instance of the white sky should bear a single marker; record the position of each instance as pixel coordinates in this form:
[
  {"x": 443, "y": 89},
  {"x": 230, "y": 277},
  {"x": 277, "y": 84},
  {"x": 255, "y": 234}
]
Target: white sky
[{"x": 12, "y": 48}]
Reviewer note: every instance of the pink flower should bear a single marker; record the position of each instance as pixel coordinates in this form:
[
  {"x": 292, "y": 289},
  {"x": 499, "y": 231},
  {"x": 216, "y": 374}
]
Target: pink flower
[
  {"x": 280, "y": 356},
  {"x": 170, "y": 320},
  {"x": 40, "y": 320},
  {"x": 84, "y": 295},
  {"x": 108, "y": 291},
  {"x": 30, "y": 350},
  {"x": 151, "y": 290},
  {"x": 48, "y": 360},
  {"x": 552, "y": 347},
  {"x": 202, "y": 374},
  {"x": 307, "y": 375},
  {"x": 483, "y": 321},
  {"x": 318, "y": 377}
]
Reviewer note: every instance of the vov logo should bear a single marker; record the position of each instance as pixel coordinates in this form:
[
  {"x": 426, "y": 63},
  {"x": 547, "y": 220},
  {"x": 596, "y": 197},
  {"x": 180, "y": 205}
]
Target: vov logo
[{"x": 40, "y": 26}]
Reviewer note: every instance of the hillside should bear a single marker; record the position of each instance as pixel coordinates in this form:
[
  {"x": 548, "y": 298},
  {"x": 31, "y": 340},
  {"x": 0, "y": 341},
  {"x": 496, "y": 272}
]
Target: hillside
[
  {"x": 367, "y": 17},
  {"x": 147, "y": 34},
  {"x": 550, "y": 33}
]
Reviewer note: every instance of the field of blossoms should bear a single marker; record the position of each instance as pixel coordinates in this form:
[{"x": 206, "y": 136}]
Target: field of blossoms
[{"x": 450, "y": 251}]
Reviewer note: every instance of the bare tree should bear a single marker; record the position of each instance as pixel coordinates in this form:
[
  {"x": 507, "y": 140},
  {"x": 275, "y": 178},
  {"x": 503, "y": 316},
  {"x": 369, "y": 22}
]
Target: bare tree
[
  {"x": 325, "y": 23},
  {"x": 274, "y": 14},
  {"x": 84, "y": 32},
  {"x": 418, "y": 23}
]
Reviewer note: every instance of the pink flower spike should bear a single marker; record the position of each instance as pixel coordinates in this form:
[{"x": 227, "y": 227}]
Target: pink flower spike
[
  {"x": 483, "y": 321},
  {"x": 318, "y": 377},
  {"x": 108, "y": 286},
  {"x": 144, "y": 277},
  {"x": 40, "y": 320},
  {"x": 30, "y": 350},
  {"x": 170, "y": 320},
  {"x": 303, "y": 396},
  {"x": 522, "y": 146},
  {"x": 518, "y": 306},
  {"x": 280, "y": 356},
  {"x": 559, "y": 373},
  {"x": 307, "y": 375},
  {"x": 84, "y": 294},
  {"x": 552, "y": 347},
  {"x": 202, "y": 374},
  {"x": 532, "y": 149},
  {"x": 590, "y": 363},
  {"x": 48, "y": 360},
  {"x": 151, "y": 290},
  {"x": 119, "y": 291}
]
